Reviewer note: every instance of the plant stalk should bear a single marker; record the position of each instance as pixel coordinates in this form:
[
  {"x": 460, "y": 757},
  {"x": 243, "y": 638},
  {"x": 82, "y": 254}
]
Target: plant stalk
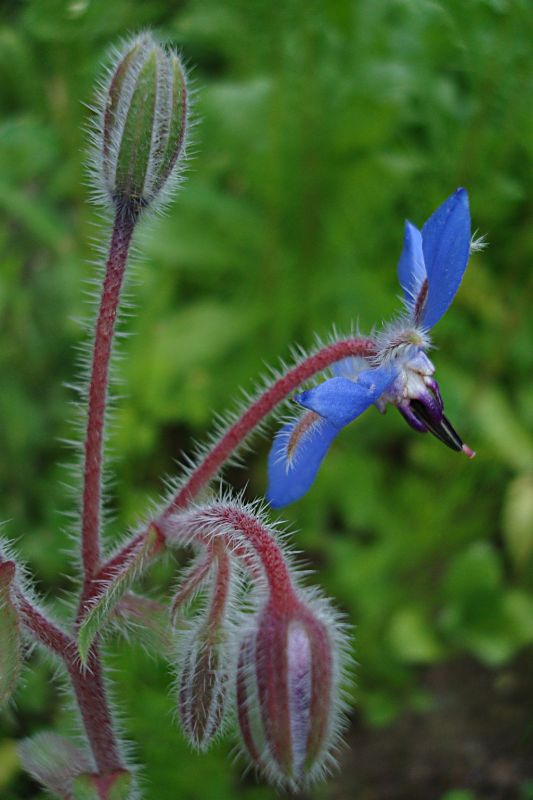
[
  {"x": 98, "y": 389},
  {"x": 237, "y": 433}
]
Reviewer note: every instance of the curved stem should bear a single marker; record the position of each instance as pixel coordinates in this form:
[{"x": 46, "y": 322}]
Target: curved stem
[
  {"x": 264, "y": 546},
  {"x": 97, "y": 400},
  {"x": 261, "y": 408},
  {"x": 236, "y": 434},
  {"x": 241, "y": 533}
]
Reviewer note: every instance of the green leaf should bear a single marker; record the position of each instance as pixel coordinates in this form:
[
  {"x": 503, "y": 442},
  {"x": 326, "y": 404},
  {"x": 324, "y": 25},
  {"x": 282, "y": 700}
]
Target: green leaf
[
  {"x": 10, "y": 639},
  {"x": 518, "y": 519},
  {"x": 100, "y": 611},
  {"x": 413, "y": 638},
  {"x": 510, "y": 439}
]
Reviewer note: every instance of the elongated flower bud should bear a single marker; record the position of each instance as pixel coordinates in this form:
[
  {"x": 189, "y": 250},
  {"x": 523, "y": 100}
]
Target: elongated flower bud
[
  {"x": 139, "y": 135},
  {"x": 203, "y": 681},
  {"x": 203, "y": 691},
  {"x": 287, "y": 687}
]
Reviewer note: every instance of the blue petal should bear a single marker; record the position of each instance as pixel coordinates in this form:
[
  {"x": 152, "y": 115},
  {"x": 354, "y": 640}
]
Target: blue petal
[
  {"x": 349, "y": 367},
  {"x": 411, "y": 267},
  {"x": 340, "y": 400},
  {"x": 289, "y": 479},
  {"x": 446, "y": 247}
]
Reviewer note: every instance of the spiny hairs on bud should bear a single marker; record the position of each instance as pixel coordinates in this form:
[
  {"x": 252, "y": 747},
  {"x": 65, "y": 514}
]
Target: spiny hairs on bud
[
  {"x": 293, "y": 673},
  {"x": 140, "y": 125}
]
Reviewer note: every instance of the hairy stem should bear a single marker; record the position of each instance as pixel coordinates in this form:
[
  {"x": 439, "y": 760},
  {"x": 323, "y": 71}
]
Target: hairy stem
[
  {"x": 237, "y": 433},
  {"x": 98, "y": 387},
  {"x": 92, "y": 701},
  {"x": 261, "y": 408},
  {"x": 88, "y": 685},
  {"x": 242, "y": 534},
  {"x": 47, "y": 632},
  {"x": 263, "y": 545}
]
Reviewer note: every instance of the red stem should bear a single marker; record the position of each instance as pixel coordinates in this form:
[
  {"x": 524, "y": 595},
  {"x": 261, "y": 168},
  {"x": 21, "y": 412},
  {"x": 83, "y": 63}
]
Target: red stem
[
  {"x": 92, "y": 701},
  {"x": 255, "y": 542},
  {"x": 236, "y": 434},
  {"x": 266, "y": 403},
  {"x": 193, "y": 580},
  {"x": 102, "y": 349},
  {"x": 276, "y": 570},
  {"x": 47, "y": 632},
  {"x": 219, "y": 597},
  {"x": 89, "y": 684}
]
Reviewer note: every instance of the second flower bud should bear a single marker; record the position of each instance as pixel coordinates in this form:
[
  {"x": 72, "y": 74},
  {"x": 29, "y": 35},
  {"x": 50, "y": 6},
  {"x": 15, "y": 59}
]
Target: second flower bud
[{"x": 139, "y": 135}]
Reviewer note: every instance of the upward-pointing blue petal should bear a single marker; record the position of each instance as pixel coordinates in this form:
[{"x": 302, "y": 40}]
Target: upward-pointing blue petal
[
  {"x": 411, "y": 267},
  {"x": 340, "y": 400},
  {"x": 446, "y": 247}
]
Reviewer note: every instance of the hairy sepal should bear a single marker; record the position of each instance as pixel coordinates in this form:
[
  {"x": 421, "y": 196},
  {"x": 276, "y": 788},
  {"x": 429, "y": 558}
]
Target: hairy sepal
[
  {"x": 54, "y": 761},
  {"x": 289, "y": 691},
  {"x": 104, "y": 604},
  {"x": 144, "y": 618},
  {"x": 203, "y": 688},
  {"x": 10, "y": 633}
]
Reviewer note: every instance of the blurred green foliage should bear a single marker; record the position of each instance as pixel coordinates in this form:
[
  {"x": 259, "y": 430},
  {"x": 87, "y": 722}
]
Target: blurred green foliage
[{"x": 320, "y": 127}]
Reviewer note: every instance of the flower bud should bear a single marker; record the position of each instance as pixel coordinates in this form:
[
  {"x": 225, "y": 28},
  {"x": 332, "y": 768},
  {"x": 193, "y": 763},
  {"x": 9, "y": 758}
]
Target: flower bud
[
  {"x": 202, "y": 690},
  {"x": 287, "y": 686},
  {"x": 139, "y": 136}
]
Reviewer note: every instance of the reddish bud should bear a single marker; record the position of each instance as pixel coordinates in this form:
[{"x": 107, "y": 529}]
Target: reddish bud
[
  {"x": 202, "y": 691},
  {"x": 204, "y": 674},
  {"x": 287, "y": 692}
]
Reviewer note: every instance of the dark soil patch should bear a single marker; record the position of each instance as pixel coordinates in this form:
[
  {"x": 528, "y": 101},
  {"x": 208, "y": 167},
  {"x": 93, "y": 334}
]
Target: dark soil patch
[{"x": 477, "y": 737}]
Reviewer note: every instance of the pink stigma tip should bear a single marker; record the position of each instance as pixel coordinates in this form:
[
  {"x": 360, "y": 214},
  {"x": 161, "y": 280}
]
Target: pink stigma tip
[{"x": 469, "y": 453}]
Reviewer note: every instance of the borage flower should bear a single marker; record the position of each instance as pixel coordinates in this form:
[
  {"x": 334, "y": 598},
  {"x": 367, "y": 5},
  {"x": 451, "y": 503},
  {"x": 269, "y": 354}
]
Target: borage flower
[{"x": 430, "y": 271}]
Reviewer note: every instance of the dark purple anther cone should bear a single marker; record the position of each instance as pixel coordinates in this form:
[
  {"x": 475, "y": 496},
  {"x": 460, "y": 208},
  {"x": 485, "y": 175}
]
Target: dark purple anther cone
[{"x": 426, "y": 413}]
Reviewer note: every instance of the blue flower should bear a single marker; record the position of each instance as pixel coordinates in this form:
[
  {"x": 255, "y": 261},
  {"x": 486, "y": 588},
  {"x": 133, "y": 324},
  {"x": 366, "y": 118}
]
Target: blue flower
[{"x": 430, "y": 270}]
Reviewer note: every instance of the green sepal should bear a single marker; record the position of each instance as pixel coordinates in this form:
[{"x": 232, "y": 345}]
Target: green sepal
[
  {"x": 53, "y": 761},
  {"x": 115, "y": 93},
  {"x": 99, "y": 613},
  {"x": 175, "y": 123},
  {"x": 10, "y": 634},
  {"x": 136, "y": 140}
]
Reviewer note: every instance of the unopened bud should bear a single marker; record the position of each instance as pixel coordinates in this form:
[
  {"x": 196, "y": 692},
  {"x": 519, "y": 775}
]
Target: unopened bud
[
  {"x": 203, "y": 691},
  {"x": 287, "y": 694},
  {"x": 139, "y": 136}
]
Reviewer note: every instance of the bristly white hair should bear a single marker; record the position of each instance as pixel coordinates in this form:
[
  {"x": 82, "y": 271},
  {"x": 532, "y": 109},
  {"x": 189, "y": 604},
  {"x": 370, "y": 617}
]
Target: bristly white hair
[{"x": 211, "y": 520}]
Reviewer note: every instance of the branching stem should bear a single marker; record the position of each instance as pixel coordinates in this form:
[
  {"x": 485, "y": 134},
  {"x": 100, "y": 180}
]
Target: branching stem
[{"x": 230, "y": 441}]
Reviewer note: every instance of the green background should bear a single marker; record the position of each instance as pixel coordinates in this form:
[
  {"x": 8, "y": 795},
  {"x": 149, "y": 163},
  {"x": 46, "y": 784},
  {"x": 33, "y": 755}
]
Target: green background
[{"x": 320, "y": 127}]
